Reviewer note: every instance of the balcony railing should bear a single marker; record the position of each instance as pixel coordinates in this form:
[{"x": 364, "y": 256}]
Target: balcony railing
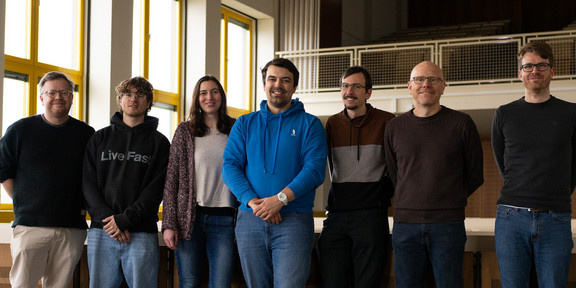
[{"x": 465, "y": 61}]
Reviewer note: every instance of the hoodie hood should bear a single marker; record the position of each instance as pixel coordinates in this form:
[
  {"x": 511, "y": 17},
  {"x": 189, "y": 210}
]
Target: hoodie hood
[{"x": 150, "y": 122}]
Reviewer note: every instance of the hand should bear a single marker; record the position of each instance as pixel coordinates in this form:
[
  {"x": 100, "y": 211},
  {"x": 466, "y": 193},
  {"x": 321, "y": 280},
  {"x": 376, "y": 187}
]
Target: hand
[
  {"x": 112, "y": 229},
  {"x": 123, "y": 237},
  {"x": 171, "y": 239},
  {"x": 268, "y": 209}
]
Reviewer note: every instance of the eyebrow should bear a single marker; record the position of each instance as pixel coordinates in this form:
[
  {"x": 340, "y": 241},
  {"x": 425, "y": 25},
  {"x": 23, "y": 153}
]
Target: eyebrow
[{"x": 283, "y": 78}]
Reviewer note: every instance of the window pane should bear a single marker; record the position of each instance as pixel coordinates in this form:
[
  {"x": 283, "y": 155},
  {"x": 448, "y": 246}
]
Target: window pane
[
  {"x": 58, "y": 42},
  {"x": 14, "y": 100},
  {"x": 13, "y": 108},
  {"x": 166, "y": 115},
  {"x": 4, "y": 198},
  {"x": 17, "y": 18},
  {"x": 163, "y": 59},
  {"x": 137, "y": 41},
  {"x": 238, "y": 67}
]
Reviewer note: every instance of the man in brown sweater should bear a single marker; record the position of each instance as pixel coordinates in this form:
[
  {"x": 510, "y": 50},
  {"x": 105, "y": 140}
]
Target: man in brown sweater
[
  {"x": 434, "y": 156},
  {"x": 354, "y": 242}
]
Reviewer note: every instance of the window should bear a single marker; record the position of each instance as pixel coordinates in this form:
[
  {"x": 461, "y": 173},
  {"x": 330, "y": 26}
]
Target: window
[
  {"x": 236, "y": 63},
  {"x": 44, "y": 36},
  {"x": 156, "y": 56}
]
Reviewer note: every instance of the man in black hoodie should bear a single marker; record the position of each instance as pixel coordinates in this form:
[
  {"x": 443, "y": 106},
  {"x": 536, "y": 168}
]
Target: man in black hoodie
[
  {"x": 124, "y": 173},
  {"x": 354, "y": 241}
]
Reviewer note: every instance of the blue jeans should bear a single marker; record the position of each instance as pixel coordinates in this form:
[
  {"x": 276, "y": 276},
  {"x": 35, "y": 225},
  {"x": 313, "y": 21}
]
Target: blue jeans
[
  {"x": 108, "y": 259},
  {"x": 353, "y": 248},
  {"x": 543, "y": 237},
  {"x": 275, "y": 255},
  {"x": 213, "y": 236},
  {"x": 441, "y": 244}
]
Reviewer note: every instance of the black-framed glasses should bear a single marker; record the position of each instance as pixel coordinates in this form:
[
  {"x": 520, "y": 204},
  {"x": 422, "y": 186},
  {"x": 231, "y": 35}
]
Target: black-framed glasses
[
  {"x": 135, "y": 95},
  {"x": 431, "y": 80},
  {"x": 543, "y": 66},
  {"x": 62, "y": 93},
  {"x": 355, "y": 86}
]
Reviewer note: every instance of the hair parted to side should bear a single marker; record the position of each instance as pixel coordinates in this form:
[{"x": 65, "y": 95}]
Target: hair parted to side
[
  {"x": 141, "y": 85},
  {"x": 54, "y": 75},
  {"x": 196, "y": 120},
  {"x": 540, "y": 48},
  {"x": 358, "y": 69},
  {"x": 284, "y": 63}
]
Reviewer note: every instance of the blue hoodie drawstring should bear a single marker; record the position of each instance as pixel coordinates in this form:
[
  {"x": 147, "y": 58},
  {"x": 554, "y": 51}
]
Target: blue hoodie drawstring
[
  {"x": 264, "y": 142},
  {"x": 277, "y": 144}
]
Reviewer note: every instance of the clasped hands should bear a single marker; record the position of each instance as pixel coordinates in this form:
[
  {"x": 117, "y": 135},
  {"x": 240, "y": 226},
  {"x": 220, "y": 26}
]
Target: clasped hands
[
  {"x": 267, "y": 208},
  {"x": 112, "y": 229}
]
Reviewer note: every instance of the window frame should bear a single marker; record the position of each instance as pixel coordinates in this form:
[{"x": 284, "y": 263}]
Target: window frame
[
  {"x": 228, "y": 13},
  {"x": 35, "y": 69}
]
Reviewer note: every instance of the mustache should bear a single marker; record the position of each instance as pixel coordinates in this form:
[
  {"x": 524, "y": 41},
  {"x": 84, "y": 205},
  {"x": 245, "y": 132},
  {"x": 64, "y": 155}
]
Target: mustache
[{"x": 278, "y": 89}]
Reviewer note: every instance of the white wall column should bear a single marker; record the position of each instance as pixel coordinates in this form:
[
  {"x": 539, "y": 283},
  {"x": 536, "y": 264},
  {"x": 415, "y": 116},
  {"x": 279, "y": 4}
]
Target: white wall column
[{"x": 110, "y": 57}]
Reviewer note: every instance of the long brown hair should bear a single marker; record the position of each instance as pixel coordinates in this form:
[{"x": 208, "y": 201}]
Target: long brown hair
[{"x": 196, "y": 120}]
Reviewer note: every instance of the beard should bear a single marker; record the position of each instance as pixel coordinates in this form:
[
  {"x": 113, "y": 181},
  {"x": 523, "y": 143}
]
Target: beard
[{"x": 279, "y": 101}]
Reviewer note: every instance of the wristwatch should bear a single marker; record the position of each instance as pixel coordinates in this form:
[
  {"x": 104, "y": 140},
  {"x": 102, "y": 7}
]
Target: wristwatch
[{"x": 283, "y": 198}]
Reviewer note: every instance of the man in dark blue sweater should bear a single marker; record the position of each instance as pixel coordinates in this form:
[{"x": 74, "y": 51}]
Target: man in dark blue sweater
[
  {"x": 534, "y": 143},
  {"x": 41, "y": 169}
]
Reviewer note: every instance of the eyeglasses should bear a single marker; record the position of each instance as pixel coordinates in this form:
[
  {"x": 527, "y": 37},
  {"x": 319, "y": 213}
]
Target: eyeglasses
[
  {"x": 134, "y": 95},
  {"x": 355, "y": 86},
  {"x": 540, "y": 66},
  {"x": 431, "y": 80},
  {"x": 62, "y": 93}
]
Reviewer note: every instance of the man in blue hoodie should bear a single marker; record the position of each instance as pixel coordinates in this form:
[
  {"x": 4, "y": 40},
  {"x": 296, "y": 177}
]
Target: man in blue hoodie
[{"x": 273, "y": 162}]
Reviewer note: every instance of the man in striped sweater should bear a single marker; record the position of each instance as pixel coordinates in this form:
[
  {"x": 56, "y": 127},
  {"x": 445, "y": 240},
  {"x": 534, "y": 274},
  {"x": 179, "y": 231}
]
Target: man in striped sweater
[{"x": 354, "y": 241}]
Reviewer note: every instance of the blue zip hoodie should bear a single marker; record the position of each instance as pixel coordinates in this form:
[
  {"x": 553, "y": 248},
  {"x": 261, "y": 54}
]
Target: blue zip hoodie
[{"x": 267, "y": 152}]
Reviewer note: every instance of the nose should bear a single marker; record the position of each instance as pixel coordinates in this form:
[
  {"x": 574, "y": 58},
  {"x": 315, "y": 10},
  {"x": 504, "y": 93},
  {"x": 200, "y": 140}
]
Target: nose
[{"x": 426, "y": 82}]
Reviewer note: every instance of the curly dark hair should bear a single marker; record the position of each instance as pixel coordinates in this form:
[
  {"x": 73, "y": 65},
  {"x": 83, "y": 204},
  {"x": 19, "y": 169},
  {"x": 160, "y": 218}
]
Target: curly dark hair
[{"x": 141, "y": 85}]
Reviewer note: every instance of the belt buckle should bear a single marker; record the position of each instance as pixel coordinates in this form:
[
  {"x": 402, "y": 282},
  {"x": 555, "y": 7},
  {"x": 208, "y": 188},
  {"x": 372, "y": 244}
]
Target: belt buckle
[{"x": 536, "y": 210}]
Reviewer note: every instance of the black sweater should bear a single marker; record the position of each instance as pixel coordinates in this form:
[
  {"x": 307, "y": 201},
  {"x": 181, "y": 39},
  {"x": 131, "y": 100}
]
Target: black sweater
[
  {"x": 124, "y": 173},
  {"x": 45, "y": 162},
  {"x": 535, "y": 149},
  {"x": 435, "y": 163}
]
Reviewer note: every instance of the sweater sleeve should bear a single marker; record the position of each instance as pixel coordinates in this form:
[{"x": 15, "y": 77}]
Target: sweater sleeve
[
  {"x": 146, "y": 206},
  {"x": 93, "y": 195},
  {"x": 8, "y": 154},
  {"x": 473, "y": 157},
  {"x": 498, "y": 142},
  {"x": 314, "y": 159},
  {"x": 171, "y": 186},
  {"x": 573, "y": 182},
  {"x": 390, "y": 156},
  {"x": 233, "y": 167}
]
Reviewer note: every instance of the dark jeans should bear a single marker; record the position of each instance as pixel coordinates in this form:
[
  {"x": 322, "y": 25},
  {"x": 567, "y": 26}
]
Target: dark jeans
[
  {"x": 353, "y": 248},
  {"x": 440, "y": 243},
  {"x": 522, "y": 236}
]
